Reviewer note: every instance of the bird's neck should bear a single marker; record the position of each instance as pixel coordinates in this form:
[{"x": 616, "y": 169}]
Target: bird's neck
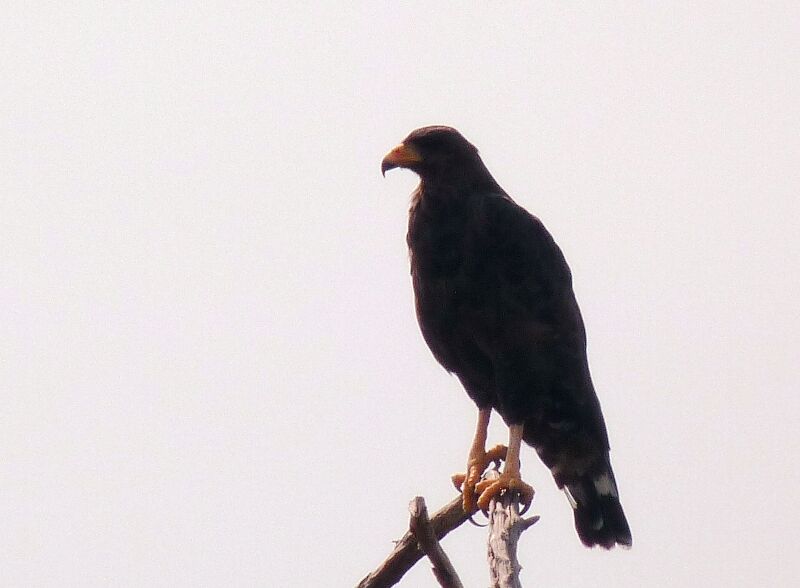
[{"x": 451, "y": 185}]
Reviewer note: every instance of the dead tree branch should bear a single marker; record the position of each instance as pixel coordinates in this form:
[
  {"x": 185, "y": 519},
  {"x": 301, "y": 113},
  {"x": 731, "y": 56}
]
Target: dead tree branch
[
  {"x": 407, "y": 552},
  {"x": 505, "y": 527},
  {"x": 506, "y": 524},
  {"x": 420, "y": 525}
]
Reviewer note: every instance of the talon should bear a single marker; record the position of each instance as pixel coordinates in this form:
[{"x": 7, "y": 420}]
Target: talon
[
  {"x": 476, "y": 524},
  {"x": 466, "y": 483},
  {"x": 489, "y": 489}
]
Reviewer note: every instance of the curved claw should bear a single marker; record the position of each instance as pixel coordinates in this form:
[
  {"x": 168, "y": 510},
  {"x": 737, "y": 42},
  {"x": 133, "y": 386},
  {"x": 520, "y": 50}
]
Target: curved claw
[
  {"x": 526, "y": 506},
  {"x": 489, "y": 489},
  {"x": 473, "y": 522}
]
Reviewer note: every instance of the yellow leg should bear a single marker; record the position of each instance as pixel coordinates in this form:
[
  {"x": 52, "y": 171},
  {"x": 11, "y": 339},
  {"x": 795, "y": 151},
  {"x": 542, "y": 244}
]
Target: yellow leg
[
  {"x": 477, "y": 461},
  {"x": 510, "y": 479}
]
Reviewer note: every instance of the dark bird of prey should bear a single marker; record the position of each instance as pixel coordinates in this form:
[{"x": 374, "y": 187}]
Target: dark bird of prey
[{"x": 495, "y": 304}]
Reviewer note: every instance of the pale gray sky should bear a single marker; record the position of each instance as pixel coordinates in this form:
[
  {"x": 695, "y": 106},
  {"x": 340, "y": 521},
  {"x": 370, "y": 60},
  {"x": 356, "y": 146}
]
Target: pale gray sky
[{"x": 211, "y": 370}]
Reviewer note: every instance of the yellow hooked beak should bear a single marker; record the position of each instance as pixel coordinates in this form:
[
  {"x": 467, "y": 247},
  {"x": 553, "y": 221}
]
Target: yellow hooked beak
[{"x": 401, "y": 156}]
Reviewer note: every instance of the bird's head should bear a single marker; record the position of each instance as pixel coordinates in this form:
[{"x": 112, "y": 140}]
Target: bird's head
[{"x": 434, "y": 152}]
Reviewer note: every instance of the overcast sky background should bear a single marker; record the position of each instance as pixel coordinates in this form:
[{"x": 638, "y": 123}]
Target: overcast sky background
[{"x": 210, "y": 367}]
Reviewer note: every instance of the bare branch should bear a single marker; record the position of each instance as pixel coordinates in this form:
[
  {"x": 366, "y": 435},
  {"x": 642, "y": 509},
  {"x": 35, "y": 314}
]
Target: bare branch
[
  {"x": 505, "y": 527},
  {"x": 420, "y": 525},
  {"x": 406, "y": 552}
]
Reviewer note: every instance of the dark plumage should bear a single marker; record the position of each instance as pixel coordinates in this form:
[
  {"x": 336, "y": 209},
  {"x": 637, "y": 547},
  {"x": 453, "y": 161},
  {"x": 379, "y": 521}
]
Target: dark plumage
[{"x": 496, "y": 307}]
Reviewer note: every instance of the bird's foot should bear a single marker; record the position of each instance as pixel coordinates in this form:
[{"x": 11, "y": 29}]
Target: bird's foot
[
  {"x": 507, "y": 482},
  {"x": 476, "y": 465}
]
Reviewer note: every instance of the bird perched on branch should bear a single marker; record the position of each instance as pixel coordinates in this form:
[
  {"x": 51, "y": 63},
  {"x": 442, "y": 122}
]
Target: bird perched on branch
[{"x": 495, "y": 304}]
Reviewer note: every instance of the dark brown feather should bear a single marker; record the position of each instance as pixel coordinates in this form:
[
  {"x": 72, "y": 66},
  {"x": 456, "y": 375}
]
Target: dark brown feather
[{"x": 495, "y": 304}]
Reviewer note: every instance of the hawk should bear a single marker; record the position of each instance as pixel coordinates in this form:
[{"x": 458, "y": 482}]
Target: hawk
[{"x": 495, "y": 304}]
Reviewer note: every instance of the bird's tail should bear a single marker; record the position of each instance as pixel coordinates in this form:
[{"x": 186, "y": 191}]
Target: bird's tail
[{"x": 599, "y": 519}]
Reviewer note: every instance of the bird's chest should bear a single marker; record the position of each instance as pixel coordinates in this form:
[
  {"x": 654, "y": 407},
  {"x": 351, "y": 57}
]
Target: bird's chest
[{"x": 451, "y": 269}]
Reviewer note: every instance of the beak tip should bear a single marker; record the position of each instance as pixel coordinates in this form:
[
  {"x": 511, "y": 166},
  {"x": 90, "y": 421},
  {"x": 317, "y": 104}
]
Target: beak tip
[{"x": 386, "y": 166}]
